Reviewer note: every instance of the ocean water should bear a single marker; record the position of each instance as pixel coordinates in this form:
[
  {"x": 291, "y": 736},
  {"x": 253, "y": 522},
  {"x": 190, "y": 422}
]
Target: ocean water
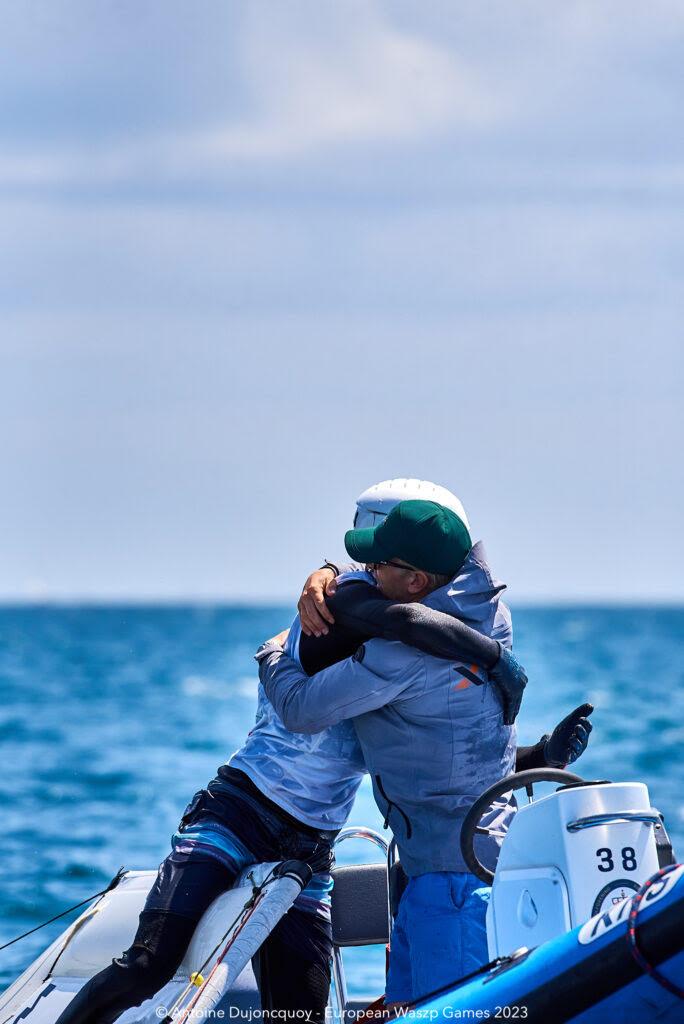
[{"x": 110, "y": 718}]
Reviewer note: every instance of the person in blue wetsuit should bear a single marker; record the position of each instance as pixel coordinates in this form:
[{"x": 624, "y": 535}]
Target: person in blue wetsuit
[
  {"x": 261, "y": 806},
  {"x": 431, "y": 738}
]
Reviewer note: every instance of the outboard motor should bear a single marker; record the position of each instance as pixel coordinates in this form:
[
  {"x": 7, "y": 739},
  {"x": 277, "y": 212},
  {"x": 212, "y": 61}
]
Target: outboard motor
[{"x": 565, "y": 857}]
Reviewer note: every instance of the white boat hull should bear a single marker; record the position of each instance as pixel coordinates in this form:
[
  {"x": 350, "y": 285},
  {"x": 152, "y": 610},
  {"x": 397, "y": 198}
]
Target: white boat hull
[{"x": 102, "y": 933}]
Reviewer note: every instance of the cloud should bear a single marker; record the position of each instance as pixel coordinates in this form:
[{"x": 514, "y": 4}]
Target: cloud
[
  {"x": 346, "y": 92},
  {"x": 343, "y": 78},
  {"x": 309, "y": 78}
]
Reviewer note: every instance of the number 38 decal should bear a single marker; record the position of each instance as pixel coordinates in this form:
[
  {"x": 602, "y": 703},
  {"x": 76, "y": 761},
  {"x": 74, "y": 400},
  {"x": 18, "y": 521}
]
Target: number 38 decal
[{"x": 606, "y": 862}]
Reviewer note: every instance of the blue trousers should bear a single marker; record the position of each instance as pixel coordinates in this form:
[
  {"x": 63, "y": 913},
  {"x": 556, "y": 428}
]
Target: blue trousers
[{"x": 439, "y": 934}]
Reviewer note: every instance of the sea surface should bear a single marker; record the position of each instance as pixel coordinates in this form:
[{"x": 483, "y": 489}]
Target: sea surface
[{"x": 110, "y": 719}]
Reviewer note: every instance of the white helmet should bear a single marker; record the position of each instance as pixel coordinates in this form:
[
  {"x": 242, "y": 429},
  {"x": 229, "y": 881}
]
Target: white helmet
[{"x": 378, "y": 501}]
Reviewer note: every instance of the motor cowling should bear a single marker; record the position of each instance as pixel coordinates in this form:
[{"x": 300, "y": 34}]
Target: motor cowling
[{"x": 568, "y": 856}]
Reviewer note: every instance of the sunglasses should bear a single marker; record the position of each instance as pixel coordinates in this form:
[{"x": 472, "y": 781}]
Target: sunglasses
[{"x": 394, "y": 565}]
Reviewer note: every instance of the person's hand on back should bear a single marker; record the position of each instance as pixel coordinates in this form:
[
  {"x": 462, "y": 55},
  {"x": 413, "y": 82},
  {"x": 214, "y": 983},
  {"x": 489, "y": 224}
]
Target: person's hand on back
[{"x": 314, "y": 614}]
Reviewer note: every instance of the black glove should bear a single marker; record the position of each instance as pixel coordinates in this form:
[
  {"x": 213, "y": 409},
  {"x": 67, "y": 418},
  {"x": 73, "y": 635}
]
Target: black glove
[
  {"x": 570, "y": 738},
  {"x": 510, "y": 679}
]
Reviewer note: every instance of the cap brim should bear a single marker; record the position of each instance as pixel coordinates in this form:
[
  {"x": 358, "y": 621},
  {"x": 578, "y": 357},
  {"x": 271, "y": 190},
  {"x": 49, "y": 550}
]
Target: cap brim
[{"x": 362, "y": 545}]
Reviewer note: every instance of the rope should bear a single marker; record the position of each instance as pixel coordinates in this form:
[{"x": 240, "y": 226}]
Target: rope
[
  {"x": 631, "y": 934},
  {"x": 112, "y": 885}
]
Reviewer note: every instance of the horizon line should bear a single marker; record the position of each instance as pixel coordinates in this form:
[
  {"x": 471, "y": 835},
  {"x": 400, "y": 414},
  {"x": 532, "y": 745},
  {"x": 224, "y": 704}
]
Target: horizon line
[{"x": 242, "y": 601}]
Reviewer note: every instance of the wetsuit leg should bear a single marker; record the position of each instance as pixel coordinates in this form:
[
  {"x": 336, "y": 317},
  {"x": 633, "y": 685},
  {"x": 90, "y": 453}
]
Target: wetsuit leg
[
  {"x": 293, "y": 966},
  {"x": 184, "y": 888}
]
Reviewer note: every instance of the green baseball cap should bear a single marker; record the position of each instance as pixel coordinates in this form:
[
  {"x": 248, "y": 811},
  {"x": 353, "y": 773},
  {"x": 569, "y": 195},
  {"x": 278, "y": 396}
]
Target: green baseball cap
[{"x": 422, "y": 533}]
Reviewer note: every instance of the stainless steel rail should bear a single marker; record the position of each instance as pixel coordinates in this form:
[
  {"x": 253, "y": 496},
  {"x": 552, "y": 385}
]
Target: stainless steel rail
[
  {"x": 362, "y": 832},
  {"x": 649, "y": 817}
]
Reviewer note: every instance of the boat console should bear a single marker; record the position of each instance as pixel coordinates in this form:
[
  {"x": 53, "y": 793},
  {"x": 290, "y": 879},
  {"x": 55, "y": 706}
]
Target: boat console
[{"x": 566, "y": 857}]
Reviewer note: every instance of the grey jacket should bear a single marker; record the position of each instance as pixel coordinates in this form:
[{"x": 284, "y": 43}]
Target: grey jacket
[{"x": 432, "y": 740}]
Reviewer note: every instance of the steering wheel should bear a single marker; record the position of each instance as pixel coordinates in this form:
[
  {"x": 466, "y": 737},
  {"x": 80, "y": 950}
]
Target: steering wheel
[{"x": 520, "y": 780}]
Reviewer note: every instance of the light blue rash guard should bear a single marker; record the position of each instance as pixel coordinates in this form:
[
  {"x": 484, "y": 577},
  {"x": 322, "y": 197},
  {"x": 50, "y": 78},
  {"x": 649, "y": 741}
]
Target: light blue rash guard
[{"x": 313, "y": 778}]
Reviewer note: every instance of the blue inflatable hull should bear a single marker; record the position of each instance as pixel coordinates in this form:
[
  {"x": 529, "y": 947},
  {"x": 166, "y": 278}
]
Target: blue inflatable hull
[{"x": 588, "y": 975}]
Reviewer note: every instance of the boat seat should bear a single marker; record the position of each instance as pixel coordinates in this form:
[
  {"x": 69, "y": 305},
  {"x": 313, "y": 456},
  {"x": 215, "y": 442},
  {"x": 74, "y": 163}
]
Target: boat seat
[
  {"x": 360, "y": 917},
  {"x": 359, "y": 909}
]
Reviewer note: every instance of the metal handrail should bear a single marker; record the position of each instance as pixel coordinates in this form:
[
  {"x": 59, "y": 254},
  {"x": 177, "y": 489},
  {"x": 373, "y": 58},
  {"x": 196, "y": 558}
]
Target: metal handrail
[
  {"x": 649, "y": 817},
  {"x": 363, "y": 832}
]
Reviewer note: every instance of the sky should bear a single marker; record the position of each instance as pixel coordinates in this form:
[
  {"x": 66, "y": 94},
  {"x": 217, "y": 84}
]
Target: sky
[{"x": 256, "y": 256}]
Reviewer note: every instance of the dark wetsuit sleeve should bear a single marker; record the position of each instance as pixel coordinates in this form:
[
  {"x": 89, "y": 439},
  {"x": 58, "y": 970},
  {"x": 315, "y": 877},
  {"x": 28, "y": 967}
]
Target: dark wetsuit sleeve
[
  {"x": 362, "y": 613},
  {"x": 531, "y": 757}
]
